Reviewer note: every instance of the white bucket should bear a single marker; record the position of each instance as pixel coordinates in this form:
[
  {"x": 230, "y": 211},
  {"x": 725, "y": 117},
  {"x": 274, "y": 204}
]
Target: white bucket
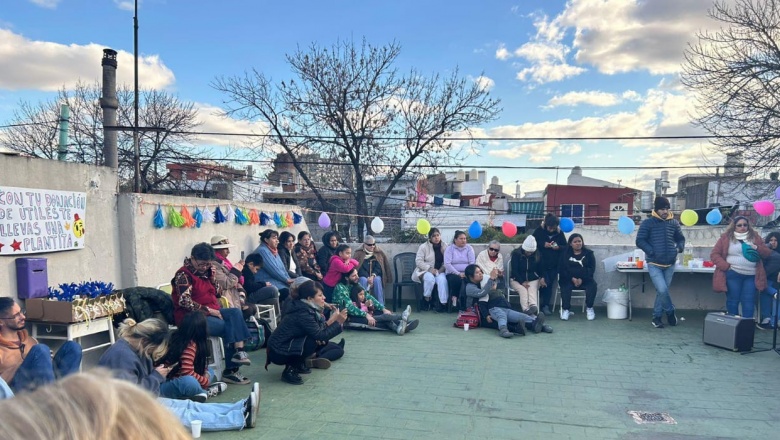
[{"x": 617, "y": 307}]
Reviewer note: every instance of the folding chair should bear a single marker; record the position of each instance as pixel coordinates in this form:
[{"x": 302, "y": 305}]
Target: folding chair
[{"x": 510, "y": 292}]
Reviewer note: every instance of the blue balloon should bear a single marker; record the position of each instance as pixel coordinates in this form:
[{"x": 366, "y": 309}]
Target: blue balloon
[
  {"x": 714, "y": 217},
  {"x": 475, "y": 230},
  {"x": 567, "y": 224},
  {"x": 626, "y": 225}
]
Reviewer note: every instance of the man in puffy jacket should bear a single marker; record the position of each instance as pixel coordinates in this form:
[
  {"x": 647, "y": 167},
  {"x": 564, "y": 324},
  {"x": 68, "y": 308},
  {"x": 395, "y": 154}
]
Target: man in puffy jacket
[{"x": 661, "y": 238}]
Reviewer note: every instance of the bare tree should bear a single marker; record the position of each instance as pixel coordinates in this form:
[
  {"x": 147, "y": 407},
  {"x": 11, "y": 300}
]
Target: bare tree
[
  {"x": 349, "y": 103},
  {"x": 735, "y": 72}
]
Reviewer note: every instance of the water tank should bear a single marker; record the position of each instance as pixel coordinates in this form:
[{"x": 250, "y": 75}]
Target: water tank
[
  {"x": 646, "y": 201},
  {"x": 461, "y": 175},
  {"x": 665, "y": 176},
  {"x": 474, "y": 175},
  {"x": 517, "y": 191},
  {"x": 576, "y": 171},
  {"x": 494, "y": 180}
]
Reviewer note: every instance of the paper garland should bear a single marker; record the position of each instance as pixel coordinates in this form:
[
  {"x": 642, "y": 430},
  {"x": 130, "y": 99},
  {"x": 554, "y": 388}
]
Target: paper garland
[{"x": 183, "y": 218}]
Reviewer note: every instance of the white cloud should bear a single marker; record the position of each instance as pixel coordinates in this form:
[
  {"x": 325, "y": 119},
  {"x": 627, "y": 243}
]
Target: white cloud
[
  {"x": 595, "y": 98},
  {"x": 47, "y": 66},
  {"x": 502, "y": 53},
  {"x": 484, "y": 82},
  {"x": 212, "y": 120},
  {"x": 126, "y": 5},
  {"x": 50, "y": 4},
  {"x": 537, "y": 152}
]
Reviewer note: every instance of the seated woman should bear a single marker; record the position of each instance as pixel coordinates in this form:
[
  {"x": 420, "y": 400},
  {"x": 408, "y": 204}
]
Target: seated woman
[
  {"x": 490, "y": 260},
  {"x": 302, "y": 330},
  {"x": 273, "y": 270},
  {"x": 306, "y": 252},
  {"x": 493, "y": 305},
  {"x": 576, "y": 271},
  {"x": 429, "y": 270},
  {"x": 330, "y": 241},
  {"x": 374, "y": 269},
  {"x": 136, "y": 357},
  {"x": 228, "y": 277},
  {"x": 187, "y": 353},
  {"x": 340, "y": 263},
  {"x": 456, "y": 258},
  {"x": 194, "y": 290},
  {"x": 287, "y": 252},
  {"x": 526, "y": 276}
]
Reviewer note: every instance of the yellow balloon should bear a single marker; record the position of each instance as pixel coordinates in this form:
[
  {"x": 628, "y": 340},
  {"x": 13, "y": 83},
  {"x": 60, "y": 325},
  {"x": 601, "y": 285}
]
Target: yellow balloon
[
  {"x": 423, "y": 226},
  {"x": 689, "y": 217}
]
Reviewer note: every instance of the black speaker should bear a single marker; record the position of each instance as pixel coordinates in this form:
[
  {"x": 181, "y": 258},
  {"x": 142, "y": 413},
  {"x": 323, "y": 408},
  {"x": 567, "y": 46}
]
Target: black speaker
[{"x": 728, "y": 331}]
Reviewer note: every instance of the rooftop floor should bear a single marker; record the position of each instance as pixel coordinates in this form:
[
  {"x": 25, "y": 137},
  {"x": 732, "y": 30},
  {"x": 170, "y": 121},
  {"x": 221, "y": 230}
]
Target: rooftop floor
[{"x": 577, "y": 383}]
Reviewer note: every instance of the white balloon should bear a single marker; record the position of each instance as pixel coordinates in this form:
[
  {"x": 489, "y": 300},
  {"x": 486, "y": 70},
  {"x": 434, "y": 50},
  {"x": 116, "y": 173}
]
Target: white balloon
[{"x": 377, "y": 225}]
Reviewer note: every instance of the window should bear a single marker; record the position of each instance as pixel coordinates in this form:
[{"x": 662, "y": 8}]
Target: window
[{"x": 575, "y": 212}]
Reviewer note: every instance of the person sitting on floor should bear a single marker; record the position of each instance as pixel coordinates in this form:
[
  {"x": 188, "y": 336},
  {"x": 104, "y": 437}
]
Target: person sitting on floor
[
  {"x": 395, "y": 322},
  {"x": 24, "y": 363},
  {"x": 493, "y": 306},
  {"x": 136, "y": 357},
  {"x": 302, "y": 330},
  {"x": 194, "y": 290},
  {"x": 374, "y": 269},
  {"x": 342, "y": 296},
  {"x": 188, "y": 356},
  {"x": 577, "y": 267}
]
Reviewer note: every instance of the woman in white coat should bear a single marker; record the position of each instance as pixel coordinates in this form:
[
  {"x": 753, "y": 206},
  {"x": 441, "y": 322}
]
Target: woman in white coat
[{"x": 430, "y": 271}]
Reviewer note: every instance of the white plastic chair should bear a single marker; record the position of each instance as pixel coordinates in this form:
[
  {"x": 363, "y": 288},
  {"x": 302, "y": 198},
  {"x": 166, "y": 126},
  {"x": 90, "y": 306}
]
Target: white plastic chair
[
  {"x": 510, "y": 292},
  {"x": 575, "y": 294}
]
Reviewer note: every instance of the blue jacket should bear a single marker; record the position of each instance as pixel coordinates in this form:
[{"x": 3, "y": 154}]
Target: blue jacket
[
  {"x": 273, "y": 270},
  {"x": 660, "y": 239},
  {"x": 127, "y": 364}
]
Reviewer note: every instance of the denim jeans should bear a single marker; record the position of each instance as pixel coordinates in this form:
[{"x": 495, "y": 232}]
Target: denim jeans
[
  {"x": 38, "y": 368},
  {"x": 231, "y": 328},
  {"x": 377, "y": 290},
  {"x": 215, "y": 416},
  {"x": 503, "y": 315},
  {"x": 181, "y": 387},
  {"x": 741, "y": 290},
  {"x": 767, "y": 303},
  {"x": 5, "y": 390},
  {"x": 662, "y": 279}
]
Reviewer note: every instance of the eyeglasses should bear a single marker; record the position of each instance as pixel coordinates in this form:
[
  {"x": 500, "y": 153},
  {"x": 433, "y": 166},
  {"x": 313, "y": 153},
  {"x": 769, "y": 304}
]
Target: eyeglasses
[
  {"x": 370, "y": 244},
  {"x": 494, "y": 250},
  {"x": 16, "y": 315},
  {"x": 200, "y": 264},
  {"x": 741, "y": 225}
]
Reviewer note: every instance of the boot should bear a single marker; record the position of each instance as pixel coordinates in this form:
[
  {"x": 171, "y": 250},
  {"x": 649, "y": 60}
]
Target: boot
[
  {"x": 504, "y": 332},
  {"x": 303, "y": 368},
  {"x": 291, "y": 376}
]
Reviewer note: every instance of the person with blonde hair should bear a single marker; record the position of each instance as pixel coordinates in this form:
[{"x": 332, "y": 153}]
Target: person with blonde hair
[
  {"x": 89, "y": 405},
  {"x": 136, "y": 356}
]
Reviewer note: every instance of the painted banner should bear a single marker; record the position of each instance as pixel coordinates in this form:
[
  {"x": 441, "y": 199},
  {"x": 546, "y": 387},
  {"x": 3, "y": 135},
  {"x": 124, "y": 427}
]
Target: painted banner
[{"x": 41, "y": 220}]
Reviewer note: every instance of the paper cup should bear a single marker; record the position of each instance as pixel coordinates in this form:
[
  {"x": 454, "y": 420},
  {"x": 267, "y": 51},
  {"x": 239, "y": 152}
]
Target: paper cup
[
  {"x": 465, "y": 327},
  {"x": 195, "y": 425},
  {"x": 640, "y": 264}
]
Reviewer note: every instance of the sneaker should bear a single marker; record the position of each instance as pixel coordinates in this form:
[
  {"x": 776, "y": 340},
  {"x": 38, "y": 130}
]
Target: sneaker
[
  {"x": 439, "y": 307},
  {"x": 401, "y": 328},
  {"x": 454, "y": 301},
  {"x": 216, "y": 388},
  {"x": 538, "y": 323},
  {"x": 318, "y": 363},
  {"x": 546, "y": 329},
  {"x": 765, "y": 324},
  {"x": 200, "y": 397},
  {"x": 411, "y": 325},
  {"x": 406, "y": 313},
  {"x": 591, "y": 314},
  {"x": 235, "y": 378},
  {"x": 256, "y": 392},
  {"x": 533, "y": 310},
  {"x": 504, "y": 332},
  {"x": 657, "y": 322},
  {"x": 565, "y": 314},
  {"x": 250, "y": 411},
  {"x": 519, "y": 329},
  {"x": 291, "y": 376},
  {"x": 241, "y": 358},
  {"x": 671, "y": 318}
]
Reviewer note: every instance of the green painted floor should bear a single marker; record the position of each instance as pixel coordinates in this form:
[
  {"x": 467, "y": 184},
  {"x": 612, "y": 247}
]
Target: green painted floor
[{"x": 577, "y": 383}]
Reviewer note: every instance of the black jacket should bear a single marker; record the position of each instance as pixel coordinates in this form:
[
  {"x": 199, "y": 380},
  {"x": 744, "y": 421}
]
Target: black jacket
[
  {"x": 324, "y": 253},
  {"x": 572, "y": 266},
  {"x": 549, "y": 257},
  {"x": 300, "y": 321},
  {"x": 286, "y": 256},
  {"x": 524, "y": 268},
  {"x": 660, "y": 239}
]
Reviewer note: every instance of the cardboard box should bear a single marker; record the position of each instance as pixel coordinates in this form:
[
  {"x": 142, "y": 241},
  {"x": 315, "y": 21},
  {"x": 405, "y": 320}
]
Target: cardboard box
[{"x": 39, "y": 309}]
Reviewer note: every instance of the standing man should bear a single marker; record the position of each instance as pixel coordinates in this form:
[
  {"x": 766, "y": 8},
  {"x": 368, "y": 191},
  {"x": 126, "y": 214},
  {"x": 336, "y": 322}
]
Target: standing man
[
  {"x": 661, "y": 238},
  {"x": 24, "y": 363},
  {"x": 550, "y": 241},
  {"x": 374, "y": 268}
]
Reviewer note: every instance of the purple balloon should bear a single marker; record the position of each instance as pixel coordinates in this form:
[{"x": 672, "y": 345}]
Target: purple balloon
[
  {"x": 324, "y": 221},
  {"x": 777, "y": 193}
]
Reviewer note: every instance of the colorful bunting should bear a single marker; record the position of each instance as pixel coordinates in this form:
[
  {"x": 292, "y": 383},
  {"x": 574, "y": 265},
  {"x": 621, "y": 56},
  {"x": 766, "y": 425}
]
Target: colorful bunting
[
  {"x": 219, "y": 217},
  {"x": 159, "y": 221},
  {"x": 264, "y": 219},
  {"x": 230, "y": 215},
  {"x": 174, "y": 218},
  {"x": 208, "y": 216},
  {"x": 188, "y": 220},
  {"x": 198, "y": 216},
  {"x": 254, "y": 217},
  {"x": 297, "y": 218}
]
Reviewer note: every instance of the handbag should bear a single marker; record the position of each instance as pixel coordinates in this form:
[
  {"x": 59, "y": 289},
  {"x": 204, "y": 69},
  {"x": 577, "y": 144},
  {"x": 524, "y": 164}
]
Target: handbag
[{"x": 749, "y": 253}]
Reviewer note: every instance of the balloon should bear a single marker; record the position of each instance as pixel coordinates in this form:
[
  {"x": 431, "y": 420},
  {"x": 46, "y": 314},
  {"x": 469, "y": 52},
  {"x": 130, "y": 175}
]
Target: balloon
[
  {"x": 423, "y": 226},
  {"x": 324, "y": 221},
  {"x": 509, "y": 229},
  {"x": 714, "y": 217},
  {"x": 566, "y": 224},
  {"x": 777, "y": 193},
  {"x": 626, "y": 225},
  {"x": 377, "y": 225},
  {"x": 764, "y": 207},
  {"x": 475, "y": 230},
  {"x": 689, "y": 217}
]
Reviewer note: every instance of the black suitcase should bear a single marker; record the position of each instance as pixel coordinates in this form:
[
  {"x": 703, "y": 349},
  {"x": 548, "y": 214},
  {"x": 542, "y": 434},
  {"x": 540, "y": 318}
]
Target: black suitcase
[{"x": 728, "y": 331}]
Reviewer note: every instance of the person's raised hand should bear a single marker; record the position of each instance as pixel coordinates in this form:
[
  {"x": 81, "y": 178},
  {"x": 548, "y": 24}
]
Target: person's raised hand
[{"x": 341, "y": 317}]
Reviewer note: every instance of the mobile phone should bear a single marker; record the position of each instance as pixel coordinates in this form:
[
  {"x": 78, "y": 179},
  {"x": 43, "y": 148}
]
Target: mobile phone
[
  {"x": 173, "y": 365},
  {"x": 242, "y": 255}
]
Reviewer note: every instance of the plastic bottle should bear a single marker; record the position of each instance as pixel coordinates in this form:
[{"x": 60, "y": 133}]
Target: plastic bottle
[{"x": 687, "y": 255}]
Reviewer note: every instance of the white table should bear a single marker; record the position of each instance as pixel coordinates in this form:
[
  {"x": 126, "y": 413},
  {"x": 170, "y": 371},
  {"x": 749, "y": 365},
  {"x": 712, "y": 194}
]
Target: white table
[
  {"x": 632, "y": 270},
  {"x": 75, "y": 330}
]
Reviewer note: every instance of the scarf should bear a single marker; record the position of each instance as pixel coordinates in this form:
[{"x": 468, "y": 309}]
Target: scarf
[
  {"x": 274, "y": 252},
  {"x": 369, "y": 254},
  {"x": 741, "y": 236},
  {"x": 313, "y": 305}
]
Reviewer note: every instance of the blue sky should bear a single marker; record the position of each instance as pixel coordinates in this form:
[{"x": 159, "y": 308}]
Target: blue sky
[{"x": 582, "y": 68}]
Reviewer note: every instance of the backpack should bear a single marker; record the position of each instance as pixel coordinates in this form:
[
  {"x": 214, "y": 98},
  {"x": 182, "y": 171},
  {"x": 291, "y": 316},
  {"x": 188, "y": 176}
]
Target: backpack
[
  {"x": 259, "y": 332},
  {"x": 469, "y": 316}
]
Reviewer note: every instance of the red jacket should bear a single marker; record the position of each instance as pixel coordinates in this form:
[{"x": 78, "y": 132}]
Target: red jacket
[{"x": 721, "y": 251}]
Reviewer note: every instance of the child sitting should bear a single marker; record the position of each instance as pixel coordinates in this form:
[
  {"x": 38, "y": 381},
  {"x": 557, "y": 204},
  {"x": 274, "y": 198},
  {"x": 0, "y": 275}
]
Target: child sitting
[{"x": 399, "y": 323}]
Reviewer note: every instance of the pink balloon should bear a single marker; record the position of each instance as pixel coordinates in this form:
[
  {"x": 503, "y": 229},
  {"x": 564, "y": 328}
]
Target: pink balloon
[
  {"x": 509, "y": 229},
  {"x": 764, "y": 207}
]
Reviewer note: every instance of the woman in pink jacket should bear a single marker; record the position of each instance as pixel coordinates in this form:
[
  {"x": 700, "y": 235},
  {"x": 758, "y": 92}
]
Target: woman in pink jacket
[
  {"x": 340, "y": 264},
  {"x": 739, "y": 270}
]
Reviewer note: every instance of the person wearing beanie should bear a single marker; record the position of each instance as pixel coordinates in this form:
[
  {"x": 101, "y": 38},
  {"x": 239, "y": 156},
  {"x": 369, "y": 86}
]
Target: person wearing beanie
[
  {"x": 551, "y": 242},
  {"x": 490, "y": 260},
  {"x": 661, "y": 238},
  {"x": 525, "y": 277}
]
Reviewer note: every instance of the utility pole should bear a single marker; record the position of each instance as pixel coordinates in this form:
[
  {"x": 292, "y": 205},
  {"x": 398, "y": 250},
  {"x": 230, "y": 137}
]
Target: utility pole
[{"x": 136, "y": 148}]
